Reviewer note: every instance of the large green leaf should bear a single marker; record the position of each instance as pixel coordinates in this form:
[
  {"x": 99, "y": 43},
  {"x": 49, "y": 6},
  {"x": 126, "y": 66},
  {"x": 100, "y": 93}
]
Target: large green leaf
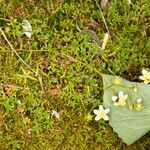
[{"x": 130, "y": 124}]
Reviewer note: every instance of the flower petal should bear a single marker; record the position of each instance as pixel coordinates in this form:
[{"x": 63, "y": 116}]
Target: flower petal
[
  {"x": 107, "y": 110},
  {"x": 123, "y": 103},
  {"x": 144, "y": 72},
  {"x": 126, "y": 96},
  {"x": 141, "y": 77},
  {"x": 101, "y": 108},
  {"x": 139, "y": 100},
  {"x": 146, "y": 82},
  {"x": 97, "y": 118},
  {"x": 96, "y": 111},
  {"x": 114, "y": 98},
  {"x": 121, "y": 94},
  {"x": 106, "y": 118},
  {"x": 116, "y": 104}
]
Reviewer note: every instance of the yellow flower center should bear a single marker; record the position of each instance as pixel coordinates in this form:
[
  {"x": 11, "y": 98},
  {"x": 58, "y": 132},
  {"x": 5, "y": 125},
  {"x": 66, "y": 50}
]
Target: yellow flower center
[
  {"x": 138, "y": 106},
  {"x": 102, "y": 114},
  {"x": 122, "y": 98},
  {"x": 147, "y": 77},
  {"x": 121, "y": 101},
  {"x": 117, "y": 81}
]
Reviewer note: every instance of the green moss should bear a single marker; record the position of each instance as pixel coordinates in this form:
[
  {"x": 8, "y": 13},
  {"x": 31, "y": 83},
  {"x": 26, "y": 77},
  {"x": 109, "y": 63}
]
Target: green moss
[{"x": 70, "y": 64}]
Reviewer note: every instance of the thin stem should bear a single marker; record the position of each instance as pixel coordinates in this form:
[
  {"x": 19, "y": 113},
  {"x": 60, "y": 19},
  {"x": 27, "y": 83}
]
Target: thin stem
[
  {"x": 103, "y": 18},
  {"x": 82, "y": 64},
  {"x": 5, "y": 19},
  {"x": 63, "y": 55},
  {"x": 36, "y": 73},
  {"x": 16, "y": 87}
]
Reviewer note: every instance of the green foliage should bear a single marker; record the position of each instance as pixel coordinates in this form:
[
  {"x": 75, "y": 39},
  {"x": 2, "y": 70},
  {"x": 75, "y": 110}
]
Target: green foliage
[
  {"x": 70, "y": 64},
  {"x": 131, "y": 121}
]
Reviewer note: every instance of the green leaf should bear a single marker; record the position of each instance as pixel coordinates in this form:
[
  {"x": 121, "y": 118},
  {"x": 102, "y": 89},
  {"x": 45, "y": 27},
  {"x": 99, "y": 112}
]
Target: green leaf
[{"x": 129, "y": 124}]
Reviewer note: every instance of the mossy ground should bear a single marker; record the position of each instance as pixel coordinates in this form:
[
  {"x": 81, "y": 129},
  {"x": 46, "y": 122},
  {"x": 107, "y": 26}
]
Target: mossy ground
[{"x": 69, "y": 63}]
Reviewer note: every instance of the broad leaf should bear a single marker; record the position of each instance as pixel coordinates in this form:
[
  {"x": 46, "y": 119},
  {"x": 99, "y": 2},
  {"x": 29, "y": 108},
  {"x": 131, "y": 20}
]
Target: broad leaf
[{"x": 130, "y": 124}]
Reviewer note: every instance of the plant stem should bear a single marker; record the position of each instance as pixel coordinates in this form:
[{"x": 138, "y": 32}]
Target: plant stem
[{"x": 36, "y": 73}]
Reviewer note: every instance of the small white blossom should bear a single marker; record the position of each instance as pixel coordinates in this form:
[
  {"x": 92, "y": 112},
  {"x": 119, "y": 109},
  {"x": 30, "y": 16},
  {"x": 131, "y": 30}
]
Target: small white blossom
[
  {"x": 139, "y": 100},
  {"x": 146, "y": 76},
  {"x": 101, "y": 113},
  {"x": 120, "y": 100},
  {"x": 139, "y": 105}
]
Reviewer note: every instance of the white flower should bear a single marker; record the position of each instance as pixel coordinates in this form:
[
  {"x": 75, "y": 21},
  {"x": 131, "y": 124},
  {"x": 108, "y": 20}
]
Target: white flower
[
  {"x": 139, "y": 105},
  {"x": 101, "y": 113},
  {"x": 120, "y": 100},
  {"x": 139, "y": 100},
  {"x": 146, "y": 76}
]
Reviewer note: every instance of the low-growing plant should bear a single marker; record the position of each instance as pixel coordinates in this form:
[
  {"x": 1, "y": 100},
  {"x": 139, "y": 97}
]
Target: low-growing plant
[{"x": 48, "y": 94}]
